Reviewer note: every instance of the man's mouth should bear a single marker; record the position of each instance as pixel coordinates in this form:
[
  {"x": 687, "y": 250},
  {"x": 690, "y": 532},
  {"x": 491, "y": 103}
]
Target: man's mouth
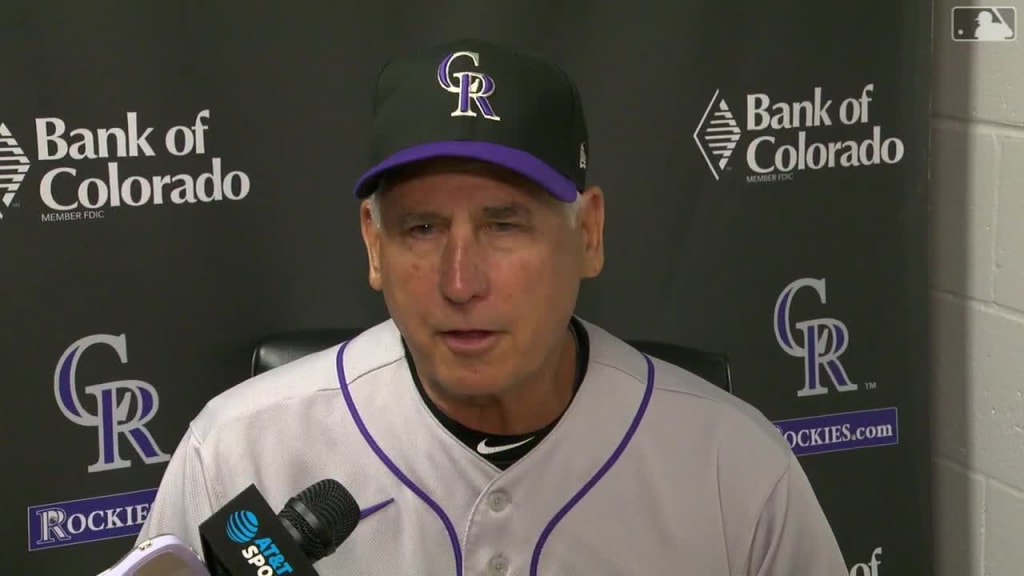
[
  {"x": 469, "y": 341},
  {"x": 468, "y": 334}
]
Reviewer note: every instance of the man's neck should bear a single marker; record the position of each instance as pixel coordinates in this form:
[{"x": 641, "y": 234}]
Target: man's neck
[{"x": 526, "y": 408}]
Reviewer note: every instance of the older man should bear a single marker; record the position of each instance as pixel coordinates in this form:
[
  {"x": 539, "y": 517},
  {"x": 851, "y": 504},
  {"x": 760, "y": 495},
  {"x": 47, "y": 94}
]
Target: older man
[{"x": 505, "y": 434}]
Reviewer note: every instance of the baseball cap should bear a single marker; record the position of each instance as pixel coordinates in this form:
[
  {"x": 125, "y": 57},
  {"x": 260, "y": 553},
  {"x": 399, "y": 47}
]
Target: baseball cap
[{"x": 475, "y": 99}]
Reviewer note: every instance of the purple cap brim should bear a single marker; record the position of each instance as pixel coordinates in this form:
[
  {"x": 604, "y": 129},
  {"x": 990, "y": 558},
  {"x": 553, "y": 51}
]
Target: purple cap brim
[{"x": 526, "y": 164}]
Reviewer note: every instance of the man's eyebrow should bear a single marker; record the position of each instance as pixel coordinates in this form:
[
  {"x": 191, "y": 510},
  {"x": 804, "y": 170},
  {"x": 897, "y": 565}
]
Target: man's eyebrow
[
  {"x": 513, "y": 210},
  {"x": 420, "y": 216}
]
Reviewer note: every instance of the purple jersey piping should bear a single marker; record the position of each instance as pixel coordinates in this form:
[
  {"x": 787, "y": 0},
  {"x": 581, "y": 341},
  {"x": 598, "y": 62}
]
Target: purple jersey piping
[
  {"x": 535, "y": 561},
  {"x": 364, "y": 513},
  {"x": 343, "y": 382}
]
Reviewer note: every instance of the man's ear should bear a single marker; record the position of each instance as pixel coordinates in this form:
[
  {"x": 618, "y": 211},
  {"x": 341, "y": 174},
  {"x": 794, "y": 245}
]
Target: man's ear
[
  {"x": 371, "y": 237},
  {"x": 591, "y": 224}
]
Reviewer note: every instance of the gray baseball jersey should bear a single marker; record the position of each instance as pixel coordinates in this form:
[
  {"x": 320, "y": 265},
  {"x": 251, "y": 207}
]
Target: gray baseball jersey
[{"x": 651, "y": 470}]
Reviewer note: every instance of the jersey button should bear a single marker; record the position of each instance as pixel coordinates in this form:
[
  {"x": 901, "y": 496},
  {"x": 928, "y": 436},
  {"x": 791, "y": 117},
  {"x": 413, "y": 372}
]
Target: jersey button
[
  {"x": 497, "y": 501},
  {"x": 498, "y": 565}
]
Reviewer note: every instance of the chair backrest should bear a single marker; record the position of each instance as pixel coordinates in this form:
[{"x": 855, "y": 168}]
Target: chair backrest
[{"x": 280, "y": 349}]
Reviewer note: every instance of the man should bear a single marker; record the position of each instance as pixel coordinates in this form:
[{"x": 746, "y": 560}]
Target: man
[{"x": 504, "y": 434}]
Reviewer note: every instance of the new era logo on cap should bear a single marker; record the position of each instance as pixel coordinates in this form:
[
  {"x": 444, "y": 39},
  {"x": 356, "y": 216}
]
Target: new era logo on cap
[{"x": 475, "y": 99}]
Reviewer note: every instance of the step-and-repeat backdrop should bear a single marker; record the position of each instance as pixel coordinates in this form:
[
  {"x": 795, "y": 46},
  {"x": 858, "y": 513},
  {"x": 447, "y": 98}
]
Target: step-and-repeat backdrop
[{"x": 174, "y": 184}]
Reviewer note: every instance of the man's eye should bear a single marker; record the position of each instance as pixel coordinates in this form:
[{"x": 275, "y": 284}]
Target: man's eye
[
  {"x": 421, "y": 230},
  {"x": 504, "y": 226}
]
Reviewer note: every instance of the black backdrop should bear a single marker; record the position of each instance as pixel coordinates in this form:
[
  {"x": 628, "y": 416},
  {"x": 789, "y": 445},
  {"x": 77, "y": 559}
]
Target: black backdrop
[{"x": 801, "y": 261}]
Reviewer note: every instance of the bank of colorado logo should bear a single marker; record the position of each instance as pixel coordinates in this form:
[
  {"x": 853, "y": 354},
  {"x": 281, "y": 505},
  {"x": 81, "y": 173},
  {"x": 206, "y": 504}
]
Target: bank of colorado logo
[
  {"x": 13, "y": 166},
  {"x": 90, "y": 173},
  {"x": 774, "y": 140},
  {"x": 869, "y": 568}
]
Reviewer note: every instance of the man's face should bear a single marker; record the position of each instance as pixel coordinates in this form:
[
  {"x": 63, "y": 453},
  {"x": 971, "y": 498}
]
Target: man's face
[{"x": 480, "y": 271}]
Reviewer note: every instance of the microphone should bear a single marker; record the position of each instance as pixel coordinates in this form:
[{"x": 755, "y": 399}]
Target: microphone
[{"x": 245, "y": 537}]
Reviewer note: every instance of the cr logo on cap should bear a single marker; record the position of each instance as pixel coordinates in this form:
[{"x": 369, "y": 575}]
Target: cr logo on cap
[{"x": 472, "y": 87}]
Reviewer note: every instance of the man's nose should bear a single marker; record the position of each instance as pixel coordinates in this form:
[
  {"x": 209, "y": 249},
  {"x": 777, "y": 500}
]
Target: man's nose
[{"x": 463, "y": 266}]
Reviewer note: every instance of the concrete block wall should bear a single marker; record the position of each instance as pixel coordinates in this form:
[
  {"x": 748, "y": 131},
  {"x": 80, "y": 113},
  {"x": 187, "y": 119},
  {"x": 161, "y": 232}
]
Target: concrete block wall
[{"x": 976, "y": 296}]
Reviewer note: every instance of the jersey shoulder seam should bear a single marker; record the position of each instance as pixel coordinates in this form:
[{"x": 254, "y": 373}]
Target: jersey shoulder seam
[
  {"x": 370, "y": 371},
  {"x": 213, "y": 417}
]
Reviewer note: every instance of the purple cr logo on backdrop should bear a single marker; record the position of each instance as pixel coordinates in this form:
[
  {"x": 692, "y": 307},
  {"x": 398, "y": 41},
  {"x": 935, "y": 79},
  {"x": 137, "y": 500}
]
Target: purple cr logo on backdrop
[
  {"x": 472, "y": 87},
  {"x": 824, "y": 341},
  {"x": 113, "y": 405}
]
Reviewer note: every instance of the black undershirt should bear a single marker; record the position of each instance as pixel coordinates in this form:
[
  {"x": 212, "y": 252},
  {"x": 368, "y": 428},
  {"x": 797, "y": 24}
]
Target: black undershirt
[{"x": 502, "y": 459}]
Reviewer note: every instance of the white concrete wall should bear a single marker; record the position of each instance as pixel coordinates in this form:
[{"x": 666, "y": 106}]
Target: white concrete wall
[{"x": 977, "y": 301}]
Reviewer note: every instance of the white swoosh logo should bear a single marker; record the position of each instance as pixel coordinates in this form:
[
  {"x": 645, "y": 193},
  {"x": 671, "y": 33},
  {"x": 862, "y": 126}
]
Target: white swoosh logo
[{"x": 483, "y": 448}]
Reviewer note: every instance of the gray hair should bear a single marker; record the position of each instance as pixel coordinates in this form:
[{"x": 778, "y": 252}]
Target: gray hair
[{"x": 572, "y": 209}]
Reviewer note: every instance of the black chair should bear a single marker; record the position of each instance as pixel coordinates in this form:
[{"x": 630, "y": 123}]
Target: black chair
[{"x": 280, "y": 349}]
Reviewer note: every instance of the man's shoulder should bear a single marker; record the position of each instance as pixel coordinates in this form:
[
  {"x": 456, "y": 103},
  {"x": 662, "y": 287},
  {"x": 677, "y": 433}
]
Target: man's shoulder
[
  {"x": 304, "y": 379},
  {"x": 723, "y": 416},
  {"x": 738, "y": 429}
]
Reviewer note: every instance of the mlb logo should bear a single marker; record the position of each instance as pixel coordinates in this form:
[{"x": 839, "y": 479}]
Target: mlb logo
[{"x": 984, "y": 24}]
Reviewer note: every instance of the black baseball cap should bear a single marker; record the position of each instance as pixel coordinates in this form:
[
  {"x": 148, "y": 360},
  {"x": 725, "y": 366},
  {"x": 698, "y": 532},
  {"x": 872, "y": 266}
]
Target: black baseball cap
[{"x": 475, "y": 99}]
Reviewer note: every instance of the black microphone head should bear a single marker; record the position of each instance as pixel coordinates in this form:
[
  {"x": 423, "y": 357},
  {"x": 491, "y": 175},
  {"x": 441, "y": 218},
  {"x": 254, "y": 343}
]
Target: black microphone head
[{"x": 323, "y": 516}]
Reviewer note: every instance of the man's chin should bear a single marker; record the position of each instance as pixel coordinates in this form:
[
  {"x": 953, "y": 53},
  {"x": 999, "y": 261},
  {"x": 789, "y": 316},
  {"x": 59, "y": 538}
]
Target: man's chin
[{"x": 460, "y": 385}]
